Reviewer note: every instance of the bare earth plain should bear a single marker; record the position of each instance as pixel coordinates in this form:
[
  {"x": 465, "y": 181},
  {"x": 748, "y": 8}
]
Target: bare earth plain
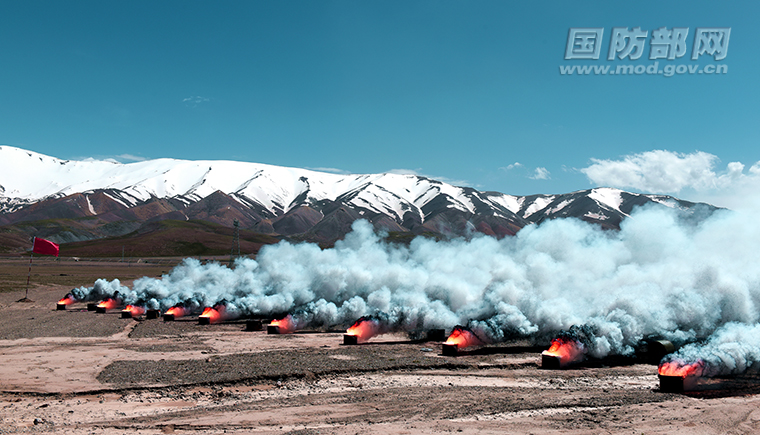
[{"x": 80, "y": 372}]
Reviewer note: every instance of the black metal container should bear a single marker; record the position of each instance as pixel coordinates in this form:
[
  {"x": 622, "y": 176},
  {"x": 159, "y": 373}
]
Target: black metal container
[
  {"x": 449, "y": 349},
  {"x": 551, "y": 362},
  {"x": 671, "y": 384},
  {"x": 350, "y": 340},
  {"x": 253, "y": 325}
]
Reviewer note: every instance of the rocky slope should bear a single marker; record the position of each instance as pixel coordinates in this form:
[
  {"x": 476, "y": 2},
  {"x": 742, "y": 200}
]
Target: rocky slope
[{"x": 84, "y": 200}]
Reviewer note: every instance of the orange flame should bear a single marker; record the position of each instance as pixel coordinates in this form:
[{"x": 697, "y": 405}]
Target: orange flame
[
  {"x": 681, "y": 368},
  {"x": 214, "y": 316},
  {"x": 364, "y": 329},
  {"x": 287, "y": 325},
  {"x": 134, "y": 310},
  {"x": 108, "y": 304},
  {"x": 462, "y": 337},
  {"x": 568, "y": 350},
  {"x": 67, "y": 300},
  {"x": 177, "y": 311}
]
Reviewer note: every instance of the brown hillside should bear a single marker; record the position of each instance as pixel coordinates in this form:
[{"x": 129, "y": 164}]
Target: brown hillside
[{"x": 170, "y": 238}]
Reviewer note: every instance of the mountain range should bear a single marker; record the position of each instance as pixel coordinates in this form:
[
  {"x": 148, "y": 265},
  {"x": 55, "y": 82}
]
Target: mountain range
[{"x": 70, "y": 201}]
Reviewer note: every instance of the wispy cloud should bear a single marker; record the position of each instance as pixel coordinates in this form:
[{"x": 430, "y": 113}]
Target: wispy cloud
[
  {"x": 512, "y": 166},
  {"x": 130, "y": 158},
  {"x": 330, "y": 170},
  {"x": 194, "y": 101},
  {"x": 662, "y": 171},
  {"x": 540, "y": 173}
]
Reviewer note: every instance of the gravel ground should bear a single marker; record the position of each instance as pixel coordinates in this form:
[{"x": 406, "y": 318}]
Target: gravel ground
[
  {"x": 179, "y": 328},
  {"x": 78, "y": 372},
  {"x": 281, "y": 364},
  {"x": 31, "y": 323}
]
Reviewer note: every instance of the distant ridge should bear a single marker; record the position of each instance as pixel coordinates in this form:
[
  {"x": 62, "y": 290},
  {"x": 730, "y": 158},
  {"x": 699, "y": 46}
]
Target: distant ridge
[{"x": 105, "y": 199}]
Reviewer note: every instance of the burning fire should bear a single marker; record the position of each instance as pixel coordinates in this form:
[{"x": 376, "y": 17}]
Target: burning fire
[
  {"x": 364, "y": 329},
  {"x": 108, "y": 304},
  {"x": 568, "y": 350},
  {"x": 462, "y": 337},
  {"x": 681, "y": 368},
  {"x": 67, "y": 300},
  {"x": 287, "y": 325},
  {"x": 134, "y": 310},
  {"x": 214, "y": 315},
  {"x": 177, "y": 311}
]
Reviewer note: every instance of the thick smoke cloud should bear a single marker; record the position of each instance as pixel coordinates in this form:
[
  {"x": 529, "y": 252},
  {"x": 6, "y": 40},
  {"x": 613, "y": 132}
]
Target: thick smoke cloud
[
  {"x": 659, "y": 275},
  {"x": 733, "y": 349}
]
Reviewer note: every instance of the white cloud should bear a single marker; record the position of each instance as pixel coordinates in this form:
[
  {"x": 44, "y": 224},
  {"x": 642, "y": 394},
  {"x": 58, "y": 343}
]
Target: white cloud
[
  {"x": 662, "y": 171},
  {"x": 540, "y": 174},
  {"x": 330, "y": 170},
  {"x": 658, "y": 171},
  {"x": 129, "y": 158},
  {"x": 512, "y": 166},
  {"x": 194, "y": 101}
]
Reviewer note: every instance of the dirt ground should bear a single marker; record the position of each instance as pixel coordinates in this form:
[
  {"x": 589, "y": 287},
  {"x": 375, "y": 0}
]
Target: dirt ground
[{"x": 80, "y": 372}]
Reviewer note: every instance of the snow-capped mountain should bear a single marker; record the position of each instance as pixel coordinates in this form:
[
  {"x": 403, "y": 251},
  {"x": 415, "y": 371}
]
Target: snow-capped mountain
[{"x": 278, "y": 200}]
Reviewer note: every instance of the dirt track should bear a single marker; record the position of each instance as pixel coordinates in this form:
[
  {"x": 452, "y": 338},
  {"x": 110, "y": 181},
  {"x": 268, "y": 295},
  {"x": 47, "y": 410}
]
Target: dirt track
[{"x": 79, "y": 372}]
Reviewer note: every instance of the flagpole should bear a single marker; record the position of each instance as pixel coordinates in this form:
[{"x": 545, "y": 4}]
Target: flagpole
[{"x": 29, "y": 277}]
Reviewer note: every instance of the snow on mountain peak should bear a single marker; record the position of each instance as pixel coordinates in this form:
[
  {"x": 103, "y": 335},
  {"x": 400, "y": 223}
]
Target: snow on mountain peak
[
  {"x": 607, "y": 196},
  {"x": 271, "y": 192},
  {"x": 274, "y": 188}
]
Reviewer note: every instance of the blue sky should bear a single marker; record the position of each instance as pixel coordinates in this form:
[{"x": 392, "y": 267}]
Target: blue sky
[{"x": 469, "y": 92}]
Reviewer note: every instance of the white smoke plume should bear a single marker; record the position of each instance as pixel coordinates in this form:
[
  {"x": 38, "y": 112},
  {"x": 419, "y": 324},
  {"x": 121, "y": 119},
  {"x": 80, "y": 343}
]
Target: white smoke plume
[
  {"x": 659, "y": 275},
  {"x": 734, "y": 348}
]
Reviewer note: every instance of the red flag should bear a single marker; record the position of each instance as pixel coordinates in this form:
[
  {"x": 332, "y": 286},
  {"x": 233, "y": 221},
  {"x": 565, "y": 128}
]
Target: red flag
[{"x": 44, "y": 247}]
